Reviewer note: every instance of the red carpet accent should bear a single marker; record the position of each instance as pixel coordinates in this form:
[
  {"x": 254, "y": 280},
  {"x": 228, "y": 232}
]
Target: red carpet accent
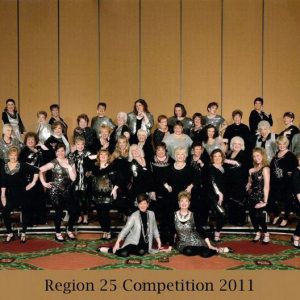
[
  {"x": 32, "y": 245},
  {"x": 295, "y": 262},
  {"x": 247, "y": 247}
]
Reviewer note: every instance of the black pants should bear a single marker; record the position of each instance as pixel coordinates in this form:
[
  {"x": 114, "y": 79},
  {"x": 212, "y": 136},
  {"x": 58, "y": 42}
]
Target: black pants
[
  {"x": 103, "y": 215},
  {"x": 220, "y": 218},
  {"x": 82, "y": 200},
  {"x": 198, "y": 250},
  {"x": 130, "y": 250},
  {"x": 236, "y": 211},
  {"x": 200, "y": 205},
  {"x": 258, "y": 218},
  {"x": 7, "y": 209}
]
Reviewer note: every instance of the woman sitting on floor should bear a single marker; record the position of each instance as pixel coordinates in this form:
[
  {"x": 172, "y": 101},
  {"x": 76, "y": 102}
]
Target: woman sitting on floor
[{"x": 138, "y": 232}]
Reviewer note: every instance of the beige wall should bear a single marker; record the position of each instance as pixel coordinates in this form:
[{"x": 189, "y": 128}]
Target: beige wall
[{"x": 77, "y": 52}]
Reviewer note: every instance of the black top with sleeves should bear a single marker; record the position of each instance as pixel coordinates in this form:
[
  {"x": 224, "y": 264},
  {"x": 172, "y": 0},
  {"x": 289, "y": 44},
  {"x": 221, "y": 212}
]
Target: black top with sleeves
[{"x": 255, "y": 117}]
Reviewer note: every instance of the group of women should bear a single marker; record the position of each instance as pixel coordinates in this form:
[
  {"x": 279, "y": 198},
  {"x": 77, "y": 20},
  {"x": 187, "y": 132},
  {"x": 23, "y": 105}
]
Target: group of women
[{"x": 199, "y": 163}]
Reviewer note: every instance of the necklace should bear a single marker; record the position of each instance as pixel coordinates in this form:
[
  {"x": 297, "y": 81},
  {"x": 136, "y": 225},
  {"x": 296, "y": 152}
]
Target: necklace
[
  {"x": 183, "y": 218},
  {"x": 145, "y": 235}
]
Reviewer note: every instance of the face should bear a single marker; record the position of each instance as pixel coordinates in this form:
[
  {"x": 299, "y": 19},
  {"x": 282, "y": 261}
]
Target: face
[
  {"x": 163, "y": 124},
  {"x": 178, "y": 129},
  {"x": 58, "y": 130},
  {"x": 299, "y": 161},
  {"x": 55, "y": 112},
  {"x": 136, "y": 152},
  {"x": 142, "y": 138},
  {"x": 282, "y": 146},
  {"x": 120, "y": 120},
  {"x": 197, "y": 122},
  {"x": 287, "y": 120},
  {"x": 257, "y": 157},
  {"x": 8, "y": 132},
  {"x": 237, "y": 119},
  {"x": 264, "y": 131},
  {"x": 257, "y": 105},
  {"x": 143, "y": 206},
  {"x": 139, "y": 107},
  {"x": 101, "y": 111},
  {"x": 41, "y": 118},
  {"x": 13, "y": 157},
  {"x": 178, "y": 112},
  {"x": 161, "y": 152},
  {"x": 122, "y": 144},
  {"x": 60, "y": 153},
  {"x": 79, "y": 145},
  {"x": 213, "y": 109},
  {"x": 184, "y": 203},
  {"x": 180, "y": 156},
  {"x": 104, "y": 133},
  {"x": 103, "y": 157},
  {"x": 30, "y": 142},
  {"x": 10, "y": 106},
  {"x": 198, "y": 150},
  {"x": 217, "y": 158},
  {"x": 82, "y": 123},
  {"x": 237, "y": 146},
  {"x": 211, "y": 132}
]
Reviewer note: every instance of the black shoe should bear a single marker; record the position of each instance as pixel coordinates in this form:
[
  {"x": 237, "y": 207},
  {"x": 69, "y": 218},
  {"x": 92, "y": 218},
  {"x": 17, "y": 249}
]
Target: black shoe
[
  {"x": 59, "y": 237},
  {"x": 9, "y": 237}
]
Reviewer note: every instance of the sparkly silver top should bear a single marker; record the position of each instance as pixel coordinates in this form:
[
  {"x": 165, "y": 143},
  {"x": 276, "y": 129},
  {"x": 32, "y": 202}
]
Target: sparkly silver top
[{"x": 44, "y": 132}]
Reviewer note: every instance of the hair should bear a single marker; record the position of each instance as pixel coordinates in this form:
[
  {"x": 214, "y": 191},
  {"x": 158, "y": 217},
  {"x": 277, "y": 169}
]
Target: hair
[
  {"x": 84, "y": 117},
  {"x": 184, "y": 194},
  {"x": 42, "y": 112},
  {"x": 142, "y": 197},
  {"x": 211, "y": 104},
  {"x": 143, "y": 102},
  {"x": 98, "y": 156},
  {"x": 197, "y": 115},
  {"x": 141, "y": 132},
  {"x": 214, "y": 152},
  {"x": 183, "y": 110},
  {"x": 289, "y": 114},
  {"x": 259, "y": 99},
  {"x": 101, "y": 104},
  {"x": 178, "y": 123},
  {"x": 205, "y": 137},
  {"x": 197, "y": 144},
  {"x": 263, "y": 124},
  {"x": 161, "y": 145},
  {"x": 5, "y": 126},
  {"x": 59, "y": 145},
  {"x": 122, "y": 115},
  {"x": 13, "y": 149},
  {"x": 79, "y": 139},
  {"x": 130, "y": 157},
  {"x": 282, "y": 139},
  {"x": 13, "y": 101},
  {"x": 298, "y": 156},
  {"x": 31, "y": 135},
  {"x": 178, "y": 149},
  {"x": 117, "y": 153},
  {"x": 53, "y": 106},
  {"x": 56, "y": 124},
  {"x": 237, "y": 139},
  {"x": 237, "y": 112},
  {"x": 263, "y": 153},
  {"x": 104, "y": 126},
  {"x": 161, "y": 117}
]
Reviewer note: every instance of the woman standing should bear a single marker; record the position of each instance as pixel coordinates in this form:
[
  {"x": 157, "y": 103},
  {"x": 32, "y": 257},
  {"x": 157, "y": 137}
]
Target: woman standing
[
  {"x": 180, "y": 115},
  {"x": 191, "y": 239},
  {"x": 138, "y": 233},
  {"x": 63, "y": 174},
  {"x": 12, "y": 117},
  {"x": 196, "y": 133},
  {"x": 296, "y": 188},
  {"x": 212, "y": 140},
  {"x": 145, "y": 144},
  {"x": 121, "y": 129},
  {"x": 282, "y": 167},
  {"x": 13, "y": 188},
  {"x": 259, "y": 187}
]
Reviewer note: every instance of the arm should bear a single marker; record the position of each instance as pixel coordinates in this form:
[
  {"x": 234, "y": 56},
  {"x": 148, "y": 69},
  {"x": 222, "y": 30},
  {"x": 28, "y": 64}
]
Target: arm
[
  {"x": 72, "y": 172},
  {"x": 5, "y": 118},
  {"x": 3, "y": 196},
  {"x": 44, "y": 169},
  {"x": 156, "y": 232}
]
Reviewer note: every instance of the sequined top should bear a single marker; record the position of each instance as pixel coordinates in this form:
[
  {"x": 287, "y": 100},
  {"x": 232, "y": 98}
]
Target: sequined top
[
  {"x": 5, "y": 146},
  {"x": 60, "y": 178},
  {"x": 257, "y": 187},
  {"x": 187, "y": 235},
  {"x": 97, "y": 122},
  {"x": 217, "y": 121},
  {"x": 44, "y": 132}
]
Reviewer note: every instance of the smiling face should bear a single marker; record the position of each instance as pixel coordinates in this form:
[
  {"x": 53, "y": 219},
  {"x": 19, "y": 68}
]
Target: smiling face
[
  {"x": 30, "y": 143},
  {"x": 42, "y": 118},
  {"x": 55, "y": 112},
  {"x": 10, "y": 106},
  {"x": 136, "y": 152},
  {"x": 57, "y": 130},
  {"x": 160, "y": 152},
  {"x": 213, "y": 109},
  {"x": 211, "y": 132},
  {"x": 120, "y": 120},
  {"x": 13, "y": 157},
  {"x": 60, "y": 153},
  {"x": 79, "y": 145},
  {"x": 180, "y": 156},
  {"x": 143, "y": 206},
  {"x": 178, "y": 112},
  {"x": 184, "y": 203},
  {"x": 103, "y": 157},
  {"x": 258, "y": 105},
  {"x": 163, "y": 124},
  {"x": 139, "y": 107},
  {"x": 7, "y": 132},
  {"x": 101, "y": 111},
  {"x": 198, "y": 150},
  {"x": 82, "y": 123},
  {"x": 257, "y": 157},
  {"x": 104, "y": 133},
  {"x": 197, "y": 122},
  {"x": 237, "y": 119},
  {"x": 287, "y": 120},
  {"x": 178, "y": 130},
  {"x": 122, "y": 144},
  {"x": 264, "y": 131},
  {"x": 237, "y": 146},
  {"x": 142, "y": 137},
  {"x": 282, "y": 146},
  {"x": 217, "y": 158}
]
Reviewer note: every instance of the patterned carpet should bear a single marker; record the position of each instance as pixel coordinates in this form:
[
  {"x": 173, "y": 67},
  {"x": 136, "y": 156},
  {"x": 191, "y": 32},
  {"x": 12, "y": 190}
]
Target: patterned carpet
[{"x": 41, "y": 252}]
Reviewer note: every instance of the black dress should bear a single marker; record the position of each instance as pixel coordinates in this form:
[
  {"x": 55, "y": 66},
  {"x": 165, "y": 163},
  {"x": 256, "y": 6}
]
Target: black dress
[
  {"x": 255, "y": 117},
  {"x": 296, "y": 190}
]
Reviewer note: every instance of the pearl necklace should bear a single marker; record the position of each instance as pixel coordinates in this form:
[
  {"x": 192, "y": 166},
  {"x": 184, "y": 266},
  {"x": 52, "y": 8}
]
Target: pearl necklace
[{"x": 145, "y": 235}]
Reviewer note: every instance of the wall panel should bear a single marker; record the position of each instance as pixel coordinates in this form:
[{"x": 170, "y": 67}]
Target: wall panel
[
  {"x": 242, "y": 55},
  {"x": 38, "y": 58},
  {"x": 8, "y": 51},
  {"x": 119, "y": 54},
  {"x": 201, "y": 53},
  {"x": 78, "y": 35},
  {"x": 160, "y": 80},
  {"x": 281, "y": 59}
]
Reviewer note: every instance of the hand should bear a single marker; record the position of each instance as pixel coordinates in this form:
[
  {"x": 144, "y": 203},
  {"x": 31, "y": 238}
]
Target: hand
[
  {"x": 116, "y": 247},
  {"x": 168, "y": 187},
  {"x": 47, "y": 185},
  {"x": 248, "y": 186},
  {"x": 29, "y": 186},
  {"x": 114, "y": 194},
  {"x": 88, "y": 174},
  {"x": 189, "y": 188},
  {"x": 3, "y": 200},
  {"x": 152, "y": 196},
  {"x": 260, "y": 204},
  {"x": 221, "y": 198}
]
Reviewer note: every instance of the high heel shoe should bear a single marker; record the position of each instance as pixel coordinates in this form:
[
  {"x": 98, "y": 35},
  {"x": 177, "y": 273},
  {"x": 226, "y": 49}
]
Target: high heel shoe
[
  {"x": 266, "y": 239},
  {"x": 256, "y": 238},
  {"x": 275, "y": 220},
  {"x": 71, "y": 235},
  {"x": 283, "y": 223},
  {"x": 23, "y": 238},
  {"x": 295, "y": 242},
  {"x": 9, "y": 237},
  {"x": 59, "y": 237}
]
